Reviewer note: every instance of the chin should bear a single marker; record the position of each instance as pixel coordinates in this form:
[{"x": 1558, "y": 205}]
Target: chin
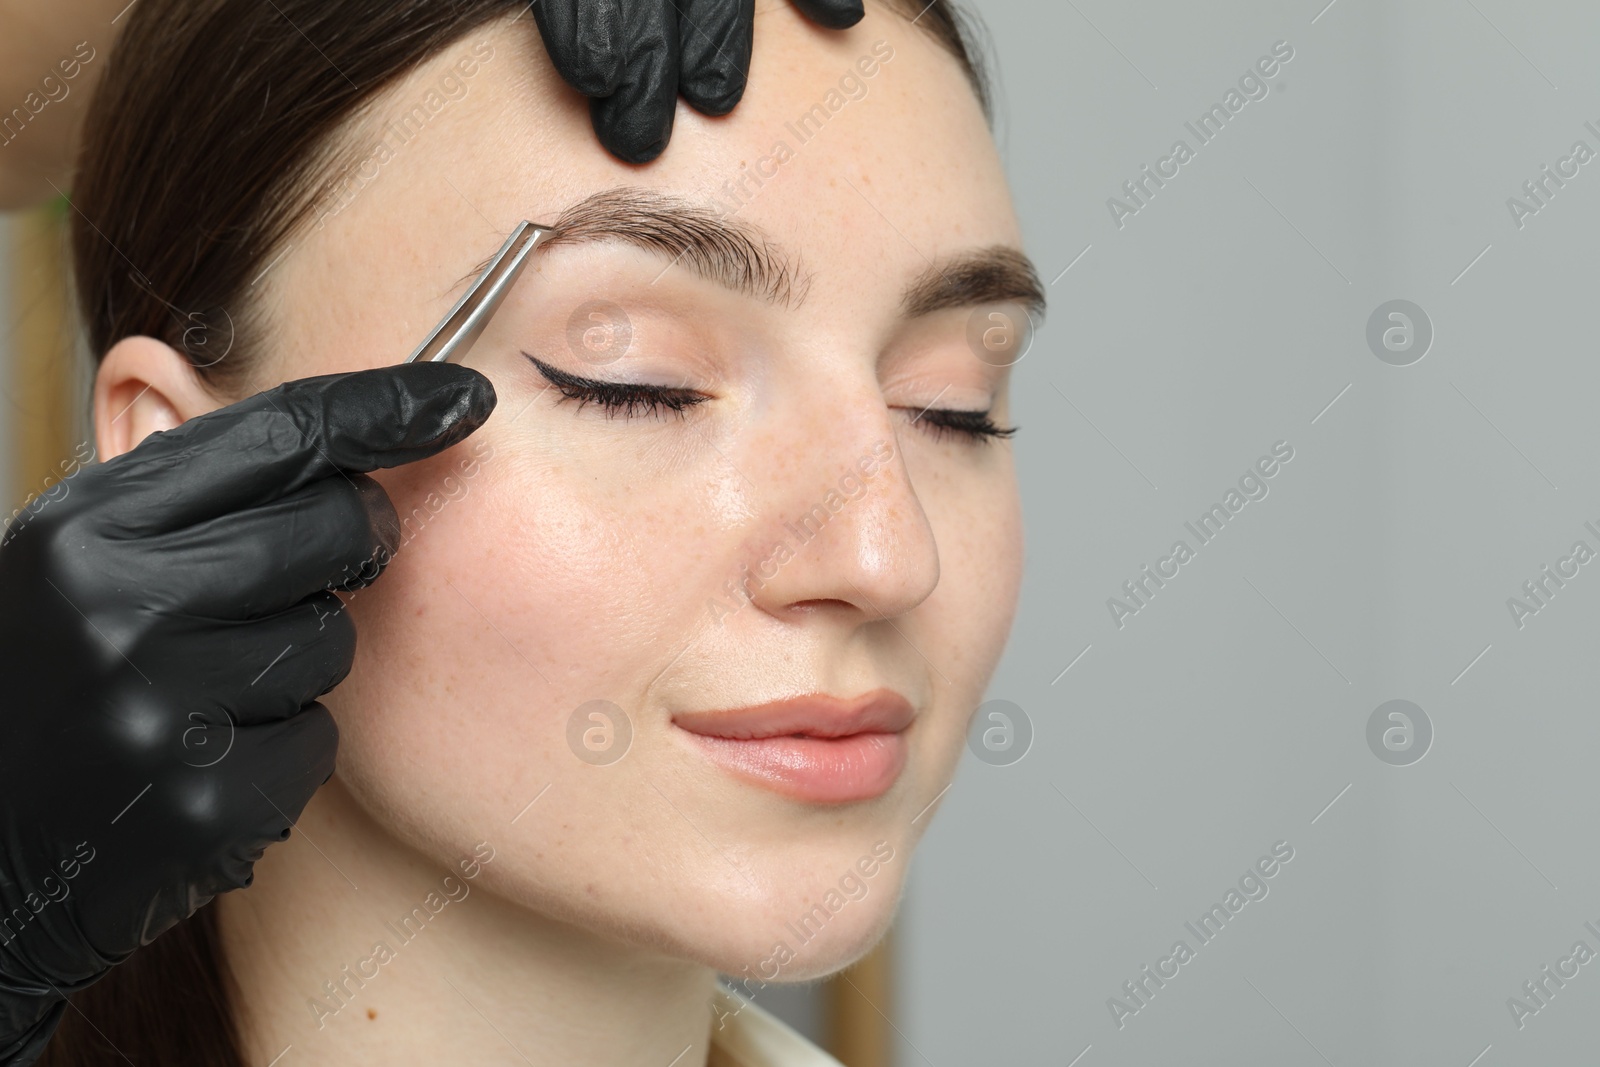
[{"x": 810, "y": 942}]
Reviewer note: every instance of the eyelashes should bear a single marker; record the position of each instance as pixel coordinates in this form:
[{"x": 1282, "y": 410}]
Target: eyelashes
[
  {"x": 658, "y": 401},
  {"x": 976, "y": 425},
  {"x": 618, "y": 398}
]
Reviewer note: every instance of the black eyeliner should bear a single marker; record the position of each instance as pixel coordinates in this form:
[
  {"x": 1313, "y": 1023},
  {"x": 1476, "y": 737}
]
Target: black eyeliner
[{"x": 616, "y": 397}]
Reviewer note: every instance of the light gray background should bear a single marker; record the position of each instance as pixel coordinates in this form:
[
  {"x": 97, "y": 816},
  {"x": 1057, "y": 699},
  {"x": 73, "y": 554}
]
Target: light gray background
[{"x": 1227, "y": 715}]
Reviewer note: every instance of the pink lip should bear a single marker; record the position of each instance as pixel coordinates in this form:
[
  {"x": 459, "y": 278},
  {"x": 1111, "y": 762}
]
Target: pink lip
[{"x": 817, "y": 747}]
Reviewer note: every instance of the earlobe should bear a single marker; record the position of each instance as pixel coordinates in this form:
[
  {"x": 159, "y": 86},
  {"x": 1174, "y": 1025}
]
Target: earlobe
[{"x": 144, "y": 386}]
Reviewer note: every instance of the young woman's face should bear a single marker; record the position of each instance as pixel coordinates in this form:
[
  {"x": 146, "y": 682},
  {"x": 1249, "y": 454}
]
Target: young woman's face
[{"x": 798, "y": 517}]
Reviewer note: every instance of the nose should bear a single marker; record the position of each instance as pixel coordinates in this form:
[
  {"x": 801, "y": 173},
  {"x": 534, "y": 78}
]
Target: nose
[{"x": 845, "y": 527}]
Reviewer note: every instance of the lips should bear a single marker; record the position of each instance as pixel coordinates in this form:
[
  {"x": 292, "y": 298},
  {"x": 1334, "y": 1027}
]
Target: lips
[{"x": 817, "y": 748}]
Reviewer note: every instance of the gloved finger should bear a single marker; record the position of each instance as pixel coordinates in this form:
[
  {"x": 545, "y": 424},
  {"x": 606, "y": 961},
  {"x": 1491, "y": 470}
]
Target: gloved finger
[
  {"x": 584, "y": 39},
  {"x": 832, "y": 14},
  {"x": 714, "y": 40},
  {"x": 262, "y": 671},
  {"x": 201, "y": 831},
  {"x": 339, "y": 531},
  {"x": 635, "y": 122},
  {"x": 280, "y": 765},
  {"x": 280, "y": 440},
  {"x": 45, "y": 1014}
]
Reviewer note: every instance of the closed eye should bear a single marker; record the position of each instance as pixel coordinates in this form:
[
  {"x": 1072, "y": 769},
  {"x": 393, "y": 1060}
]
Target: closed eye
[
  {"x": 973, "y": 425},
  {"x": 619, "y": 398}
]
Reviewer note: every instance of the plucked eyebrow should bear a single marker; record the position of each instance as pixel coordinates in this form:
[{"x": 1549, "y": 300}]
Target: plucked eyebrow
[
  {"x": 687, "y": 234},
  {"x": 992, "y": 275}
]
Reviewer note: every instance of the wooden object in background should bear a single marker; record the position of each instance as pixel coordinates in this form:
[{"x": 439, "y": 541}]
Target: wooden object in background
[
  {"x": 858, "y": 1004},
  {"x": 48, "y": 397}
]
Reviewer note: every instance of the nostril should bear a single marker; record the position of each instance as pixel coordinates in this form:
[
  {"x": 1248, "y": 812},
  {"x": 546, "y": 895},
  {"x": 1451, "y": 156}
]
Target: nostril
[{"x": 820, "y": 604}]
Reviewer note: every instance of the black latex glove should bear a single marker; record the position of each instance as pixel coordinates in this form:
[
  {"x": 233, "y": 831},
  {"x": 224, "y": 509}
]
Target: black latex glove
[
  {"x": 633, "y": 58},
  {"x": 165, "y": 631}
]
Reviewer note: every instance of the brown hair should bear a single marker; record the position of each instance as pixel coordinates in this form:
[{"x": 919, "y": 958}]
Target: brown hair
[{"x": 210, "y": 142}]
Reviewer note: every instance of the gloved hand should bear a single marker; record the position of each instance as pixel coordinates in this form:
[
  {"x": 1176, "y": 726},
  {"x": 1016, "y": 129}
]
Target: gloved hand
[
  {"x": 166, "y": 628},
  {"x": 633, "y": 57}
]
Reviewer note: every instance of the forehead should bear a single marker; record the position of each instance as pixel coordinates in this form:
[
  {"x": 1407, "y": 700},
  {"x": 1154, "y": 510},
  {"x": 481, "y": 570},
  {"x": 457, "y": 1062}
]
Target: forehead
[{"x": 864, "y": 154}]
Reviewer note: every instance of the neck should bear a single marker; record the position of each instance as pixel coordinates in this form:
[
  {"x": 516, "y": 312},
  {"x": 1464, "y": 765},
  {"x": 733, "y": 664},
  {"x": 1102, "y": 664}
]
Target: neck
[{"x": 353, "y": 948}]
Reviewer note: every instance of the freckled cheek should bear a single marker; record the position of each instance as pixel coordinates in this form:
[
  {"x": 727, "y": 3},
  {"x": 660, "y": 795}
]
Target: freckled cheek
[
  {"x": 981, "y": 555},
  {"x": 999, "y": 556},
  {"x": 582, "y": 575},
  {"x": 968, "y": 617},
  {"x": 1009, "y": 546}
]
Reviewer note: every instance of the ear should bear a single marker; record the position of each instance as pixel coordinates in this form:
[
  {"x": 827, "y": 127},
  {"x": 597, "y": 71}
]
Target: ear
[{"x": 144, "y": 386}]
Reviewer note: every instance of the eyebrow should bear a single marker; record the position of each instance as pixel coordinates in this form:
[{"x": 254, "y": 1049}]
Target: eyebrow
[
  {"x": 726, "y": 251},
  {"x": 743, "y": 258},
  {"x": 992, "y": 275}
]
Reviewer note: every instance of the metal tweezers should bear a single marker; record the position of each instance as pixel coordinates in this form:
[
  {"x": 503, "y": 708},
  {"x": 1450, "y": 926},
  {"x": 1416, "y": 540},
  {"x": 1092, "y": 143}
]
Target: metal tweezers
[{"x": 457, "y": 331}]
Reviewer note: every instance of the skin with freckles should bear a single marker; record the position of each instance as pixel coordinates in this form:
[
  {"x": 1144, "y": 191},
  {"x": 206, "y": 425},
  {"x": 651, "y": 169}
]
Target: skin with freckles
[{"x": 571, "y": 552}]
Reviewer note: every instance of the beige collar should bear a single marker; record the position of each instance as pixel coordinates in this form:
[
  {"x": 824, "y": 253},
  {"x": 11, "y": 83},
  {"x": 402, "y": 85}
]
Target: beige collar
[{"x": 751, "y": 1036}]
